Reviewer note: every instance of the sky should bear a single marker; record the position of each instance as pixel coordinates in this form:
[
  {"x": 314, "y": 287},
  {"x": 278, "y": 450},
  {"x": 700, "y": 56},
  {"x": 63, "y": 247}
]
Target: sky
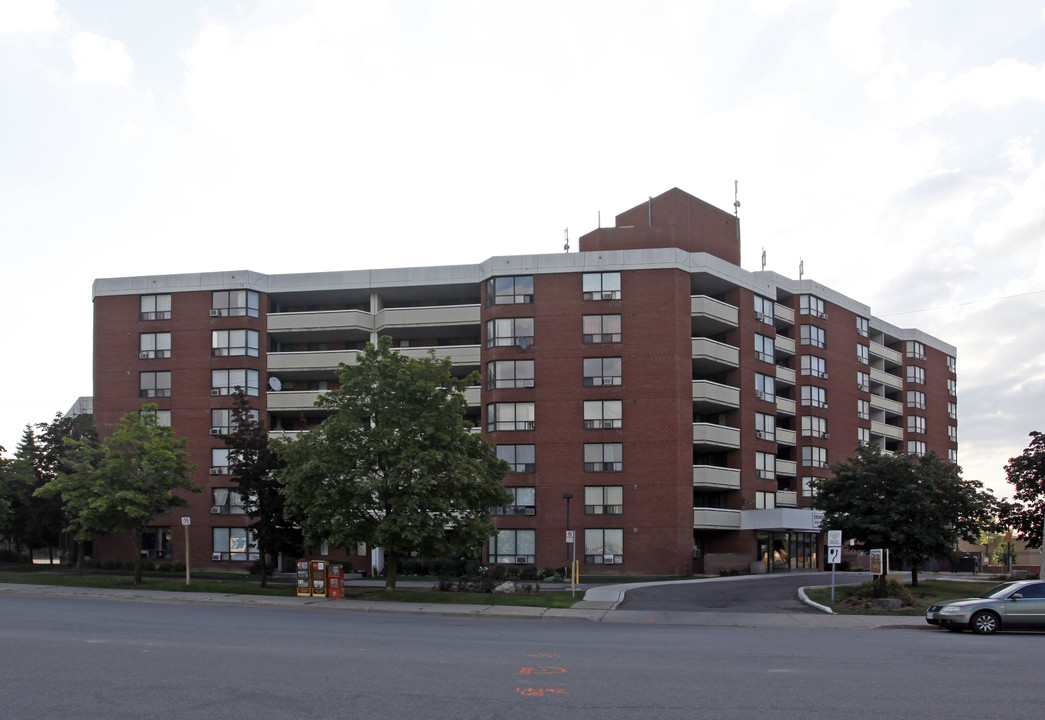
[{"x": 895, "y": 149}]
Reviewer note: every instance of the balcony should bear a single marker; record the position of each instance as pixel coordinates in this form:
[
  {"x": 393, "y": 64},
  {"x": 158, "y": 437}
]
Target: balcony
[
  {"x": 783, "y": 314},
  {"x": 712, "y": 396},
  {"x": 716, "y": 519},
  {"x": 711, "y": 356},
  {"x": 710, "y": 477},
  {"x": 321, "y": 322},
  {"x": 292, "y": 400},
  {"x": 785, "y": 375},
  {"x": 711, "y": 437},
  {"x": 786, "y": 467},
  {"x": 326, "y": 361},
  {"x": 392, "y": 318},
  {"x": 888, "y": 379},
  {"x": 785, "y": 406},
  {"x": 710, "y": 316},
  {"x": 879, "y": 350},
  {"x": 889, "y": 431},
  {"x": 786, "y": 498},
  {"x": 784, "y": 345},
  {"x": 893, "y": 407},
  {"x": 786, "y": 437}
]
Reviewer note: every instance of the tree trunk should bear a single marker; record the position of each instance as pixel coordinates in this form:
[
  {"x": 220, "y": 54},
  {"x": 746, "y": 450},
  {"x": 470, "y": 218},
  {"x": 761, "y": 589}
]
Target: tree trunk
[
  {"x": 78, "y": 549},
  {"x": 137, "y": 536},
  {"x": 264, "y": 569},
  {"x": 914, "y": 575},
  {"x": 880, "y": 590},
  {"x": 391, "y": 571}
]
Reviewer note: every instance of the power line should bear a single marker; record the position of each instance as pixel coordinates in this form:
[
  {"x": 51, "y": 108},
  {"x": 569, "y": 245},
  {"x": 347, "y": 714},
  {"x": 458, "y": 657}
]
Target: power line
[{"x": 971, "y": 302}]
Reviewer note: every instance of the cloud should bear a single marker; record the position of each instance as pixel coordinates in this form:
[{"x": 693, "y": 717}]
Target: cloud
[
  {"x": 100, "y": 61},
  {"x": 29, "y": 17}
]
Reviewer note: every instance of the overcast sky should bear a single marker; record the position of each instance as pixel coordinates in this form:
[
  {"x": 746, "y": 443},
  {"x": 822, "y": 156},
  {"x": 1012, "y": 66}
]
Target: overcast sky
[{"x": 896, "y": 147}]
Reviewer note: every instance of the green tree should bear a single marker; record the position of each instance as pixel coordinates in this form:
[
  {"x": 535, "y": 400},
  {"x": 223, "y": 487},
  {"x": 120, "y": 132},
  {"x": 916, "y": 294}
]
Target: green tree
[
  {"x": 395, "y": 465},
  {"x": 54, "y": 458},
  {"x": 252, "y": 463},
  {"x": 1026, "y": 472},
  {"x": 119, "y": 484},
  {"x": 30, "y": 521},
  {"x": 918, "y": 508}
]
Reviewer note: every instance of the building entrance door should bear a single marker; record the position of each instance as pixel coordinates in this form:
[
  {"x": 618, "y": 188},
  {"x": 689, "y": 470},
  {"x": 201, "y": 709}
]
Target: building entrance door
[{"x": 773, "y": 551}]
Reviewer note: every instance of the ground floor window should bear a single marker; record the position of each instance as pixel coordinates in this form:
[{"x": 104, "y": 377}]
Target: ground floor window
[
  {"x": 234, "y": 544},
  {"x": 156, "y": 543},
  {"x": 604, "y": 547},
  {"x": 513, "y": 546},
  {"x": 782, "y": 551}
]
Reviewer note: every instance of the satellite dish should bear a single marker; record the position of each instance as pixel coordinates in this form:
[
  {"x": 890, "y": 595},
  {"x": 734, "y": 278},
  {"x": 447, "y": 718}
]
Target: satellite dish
[{"x": 275, "y": 384}]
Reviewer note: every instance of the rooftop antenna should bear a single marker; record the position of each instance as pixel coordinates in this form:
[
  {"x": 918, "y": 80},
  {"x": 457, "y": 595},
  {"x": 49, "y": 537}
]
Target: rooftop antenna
[
  {"x": 650, "y": 219},
  {"x": 801, "y": 268},
  {"x": 566, "y": 247},
  {"x": 736, "y": 212},
  {"x": 763, "y": 259}
]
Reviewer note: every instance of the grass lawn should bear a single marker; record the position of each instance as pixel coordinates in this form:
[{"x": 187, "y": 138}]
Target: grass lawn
[{"x": 927, "y": 593}]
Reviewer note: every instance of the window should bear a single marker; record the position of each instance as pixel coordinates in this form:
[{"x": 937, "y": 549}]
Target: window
[
  {"x": 599, "y": 372},
  {"x": 154, "y": 384},
  {"x": 602, "y": 414},
  {"x": 513, "y": 546},
  {"x": 863, "y": 381},
  {"x": 765, "y": 387},
  {"x": 915, "y": 447},
  {"x": 154, "y": 345},
  {"x": 764, "y": 309},
  {"x": 163, "y": 417},
  {"x": 765, "y": 500},
  {"x": 807, "y": 486},
  {"x": 221, "y": 420},
  {"x": 916, "y": 399},
  {"x": 863, "y": 354},
  {"x": 812, "y": 335},
  {"x": 226, "y": 501},
  {"x": 603, "y": 457},
  {"x": 509, "y": 374},
  {"x": 952, "y": 455},
  {"x": 915, "y": 374},
  {"x": 863, "y": 409},
  {"x": 862, "y": 326},
  {"x": 601, "y": 329},
  {"x": 520, "y": 457},
  {"x": 155, "y": 307},
  {"x": 811, "y": 305},
  {"x": 814, "y": 457},
  {"x": 219, "y": 461},
  {"x": 234, "y": 342},
  {"x": 813, "y": 426},
  {"x": 914, "y": 349},
  {"x": 765, "y": 465},
  {"x": 516, "y": 290},
  {"x": 813, "y": 365},
  {"x": 915, "y": 424},
  {"x": 603, "y": 547},
  {"x": 863, "y": 436},
  {"x": 604, "y": 500},
  {"x": 952, "y": 410},
  {"x": 505, "y": 332},
  {"x": 234, "y": 544},
  {"x": 225, "y": 382},
  {"x": 952, "y": 364},
  {"x": 763, "y": 348},
  {"x": 524, "y": 502},
  {"x": 814, "y": 396},
  {"x": 952, "y": 433},
  {"x": 952, "y": 386},
  {"x": 765, "y": 426},
  {"x": 509, "y": 416},
  {"x": 601, "y": 286},
  {"x": 234, "y": 303}
]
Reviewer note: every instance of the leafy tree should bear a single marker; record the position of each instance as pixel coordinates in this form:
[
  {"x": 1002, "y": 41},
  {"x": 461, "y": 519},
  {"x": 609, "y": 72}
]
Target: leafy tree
[
  {"x": 916, "y": 507},
  {"x": 252, "y": 462},
  {"x": 30, "y": 522},
  {"x": 394, "y": 465},
  {"x": 1026, "y": 512},
  {"x": 54, "y": 458},
  {"x": 119, "y": 484}
]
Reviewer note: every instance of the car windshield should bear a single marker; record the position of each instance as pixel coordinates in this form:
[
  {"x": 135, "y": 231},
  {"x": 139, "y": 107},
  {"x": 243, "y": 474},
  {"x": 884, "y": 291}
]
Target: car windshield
[{"x": 998, "y": 590}]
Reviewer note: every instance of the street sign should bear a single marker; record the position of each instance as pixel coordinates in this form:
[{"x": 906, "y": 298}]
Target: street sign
[
  {"x": 186, "y": 521},
  {"x": 834, "y": 538},
  {"x": 570, "y": 535},
  {"x": 834, "y": 555}
]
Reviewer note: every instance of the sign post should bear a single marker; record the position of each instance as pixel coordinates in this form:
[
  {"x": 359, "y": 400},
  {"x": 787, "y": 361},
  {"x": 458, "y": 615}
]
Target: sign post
[
  {"x": 834, "y": 555},
  {"x": 571, "y": 540},
  {"x": 185, "y": 523}
]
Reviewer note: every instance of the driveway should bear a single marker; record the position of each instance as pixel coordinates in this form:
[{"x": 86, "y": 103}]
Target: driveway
[{"x": 777, "y": 593}]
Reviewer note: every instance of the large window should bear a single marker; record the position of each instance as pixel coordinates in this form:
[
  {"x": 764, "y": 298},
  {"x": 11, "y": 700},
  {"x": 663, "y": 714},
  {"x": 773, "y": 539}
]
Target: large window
[
  {"x": 224, "y": 382},
  {"x": 764, "y": 309},
  {"x": 226, "y": 501},
  {"x": 764, "y": 348},
  {"x": 604, "y": 547},
  {"x": 952, "y": 433},
  {"x": 814, "y": 396},
  {"x": 813, "y": 365},
  {"x": 234, "y": 342},
  {"x": 513, "y": 546},
  {"x": 509, "y": 416},
  {"x": 916, "y": 374},
  {"x": 813, "y": 426},
  {"x": 807, "y": 485},
  {"x": 604, "y": 500},
  {"x": 814, "y": 457},
  {"x": 863, "y": 409},
  {"x": 952, "y": 386},
  {"x": 863, "y": 436},
  {"x": 234, "y": 544},
  {"x": 916, "y": 399},
  {"x": 509, "y": 374},
  {"x": 234, "y": 303},
  {"x": 220, "y": 461},
  {"x": 915, "y": 447},
  {"x": 952, "y": 364},
  {"x": 811, "y": 305},
  {"x": 601, "y": 286},
  {"x": 521, "y": 457},
  {"x": 862, "y": 326},
  {"x": 602, "y": 371},
  {"x": 603, "y": 457},
  {"x": 602, "y": 414},
  {"x": 505, "y": 332},
  {"x": 524, "y": 502},
  {"x": 765, "y": 500},
  {"x": 863, "y": 354},
  {"x": 163, "y": 417},
  {"x": 914, "y": 349},
  {"x": 154, "y": 345},
  {"x": 765, "y": 426},
  {"x": 154, "y": 384},
  {"x": 765, "y": 387},
  {"x": 812, "y": 335},
  {"x": 509, "y": 290},
  {"x": 765, "y": 465},
  {"x": 601, "y": 329},
  {"x": 915, "y": 424},
  {"x": 952, "y": 410},
  {"x": 155, "y": 307},
  {"x": 863, "y": 381},
  {"x": 221, "y": 420}
]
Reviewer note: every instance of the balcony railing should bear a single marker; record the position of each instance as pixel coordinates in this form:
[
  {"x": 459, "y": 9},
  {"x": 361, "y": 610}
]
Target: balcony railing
[{"x": 716, "y": 519}]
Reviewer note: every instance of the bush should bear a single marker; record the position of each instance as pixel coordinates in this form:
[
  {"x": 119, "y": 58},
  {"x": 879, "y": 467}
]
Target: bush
[
  {"x": 528, "y": 573},
  {"x": 10, "y": 556},
  {"x": 165, "y": 567}
]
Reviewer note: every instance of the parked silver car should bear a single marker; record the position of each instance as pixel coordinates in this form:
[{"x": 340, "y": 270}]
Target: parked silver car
[{"x": 1009, "y": 606}]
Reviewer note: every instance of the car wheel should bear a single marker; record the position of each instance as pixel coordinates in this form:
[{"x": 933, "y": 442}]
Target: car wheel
[{"x": 984, "y": 623}]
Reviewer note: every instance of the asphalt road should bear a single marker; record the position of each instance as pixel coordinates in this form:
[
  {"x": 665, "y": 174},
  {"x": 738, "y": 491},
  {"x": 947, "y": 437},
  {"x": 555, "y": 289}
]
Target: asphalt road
[
  {"x": 777, "y": 593},
  {"x": 93, "y": 658}
]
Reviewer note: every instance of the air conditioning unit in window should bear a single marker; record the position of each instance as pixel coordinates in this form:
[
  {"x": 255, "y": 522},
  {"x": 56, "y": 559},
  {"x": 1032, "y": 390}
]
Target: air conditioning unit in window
[
  {"x": 531, "y": 511},
  {"x": 759, "y": 434},
  {"x": 216, "y": 471},
  {"x": 215, "y": 510},
  {"x": 520, "y": 559},
  {"x": 607, "y": 424},
  {"x": 527, "y": 383},
  {"x": 215, "y": 431},
  {"x": 215, "y": 392},
  {"x": 760, "y": 395},
  {"x": 822, "y": 315},
  {"x": 215, "y": 557},
  {"x": 145, "y": 355},
  {"x": 823, "y": 375},
  {"x": 214, "y": 312},
  {"x": 759, "y": 316},
  {"x": 825, "y": 436}
]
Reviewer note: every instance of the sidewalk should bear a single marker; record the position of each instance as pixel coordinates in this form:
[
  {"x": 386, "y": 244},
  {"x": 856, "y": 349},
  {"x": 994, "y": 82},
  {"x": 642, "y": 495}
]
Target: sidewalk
[{"x": 598, "y": 606}]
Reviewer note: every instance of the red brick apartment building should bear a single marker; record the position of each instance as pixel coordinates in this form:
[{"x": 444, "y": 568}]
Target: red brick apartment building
[{"x": 681, "y": 402}]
